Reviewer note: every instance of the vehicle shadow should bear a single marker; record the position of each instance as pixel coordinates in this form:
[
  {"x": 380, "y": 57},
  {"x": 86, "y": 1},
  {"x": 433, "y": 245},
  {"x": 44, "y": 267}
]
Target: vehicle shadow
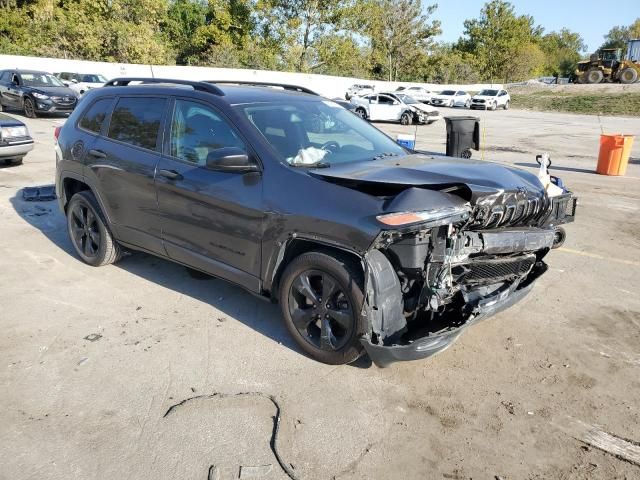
[
  {"x": 556, "y": 167},
  {"x": 233, "y": 301}
]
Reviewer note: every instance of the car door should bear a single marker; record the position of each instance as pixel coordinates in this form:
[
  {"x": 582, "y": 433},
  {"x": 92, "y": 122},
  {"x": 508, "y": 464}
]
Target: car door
[
  {"x": 374, "y": 110},
  {"x": 12, "y": 95},
  {"x": 211, "y": 220},
  {"x": 389, "y": 108},
  {"x": 122, "y": 164}
]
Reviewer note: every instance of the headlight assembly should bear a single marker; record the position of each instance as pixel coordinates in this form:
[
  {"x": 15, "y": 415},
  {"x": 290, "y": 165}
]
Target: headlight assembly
[
  {"x": 40, "y": 96},
  {"x": 440, "y": 216}
]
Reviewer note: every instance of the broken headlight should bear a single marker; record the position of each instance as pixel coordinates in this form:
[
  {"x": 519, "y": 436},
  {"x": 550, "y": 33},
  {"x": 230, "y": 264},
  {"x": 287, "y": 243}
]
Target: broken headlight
[{"x": 432, "y": 218}]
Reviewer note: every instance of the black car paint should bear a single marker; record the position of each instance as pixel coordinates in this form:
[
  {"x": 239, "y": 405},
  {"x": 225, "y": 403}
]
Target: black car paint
[
  {"x": 12, "y": 95},
  {"x": 240, "y": 226}
]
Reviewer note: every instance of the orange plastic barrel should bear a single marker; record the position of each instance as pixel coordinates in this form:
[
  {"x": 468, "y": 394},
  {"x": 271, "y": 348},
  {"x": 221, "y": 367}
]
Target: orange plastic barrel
[{"x": 614, "y": 154}]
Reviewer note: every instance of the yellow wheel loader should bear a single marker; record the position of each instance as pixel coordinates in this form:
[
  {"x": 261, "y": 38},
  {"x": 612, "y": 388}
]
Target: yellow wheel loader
[{"x": 607, "y": 65}]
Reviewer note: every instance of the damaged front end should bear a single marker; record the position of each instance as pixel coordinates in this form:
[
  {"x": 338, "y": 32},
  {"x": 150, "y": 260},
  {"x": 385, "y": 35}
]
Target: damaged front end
[{"x": 450, "y": 268}]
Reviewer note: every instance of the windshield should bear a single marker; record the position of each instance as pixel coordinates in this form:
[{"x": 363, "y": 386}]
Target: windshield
[
  {"x": 407, "y": 99},
  {"x": 489, "y": 93},
  {"x": 91, "y": 78},
  {"x": 448, "y": 92},
  {"x": 318, "y": 132},
  {"x": 40, "y": 80}
]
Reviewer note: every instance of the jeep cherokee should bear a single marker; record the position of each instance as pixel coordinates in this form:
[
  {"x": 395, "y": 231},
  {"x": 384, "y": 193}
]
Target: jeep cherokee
[{"x": 366, "y": 245}]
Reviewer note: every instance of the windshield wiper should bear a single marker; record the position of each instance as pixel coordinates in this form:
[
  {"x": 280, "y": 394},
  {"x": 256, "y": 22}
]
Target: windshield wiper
[{"x": 384, "y": 154}]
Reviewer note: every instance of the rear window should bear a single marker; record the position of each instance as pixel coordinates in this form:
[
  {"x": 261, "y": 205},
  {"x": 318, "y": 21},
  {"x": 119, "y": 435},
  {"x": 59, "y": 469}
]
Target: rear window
[
  {"x": 137, "y": 121},
  {"x": 94, "y": 117}
]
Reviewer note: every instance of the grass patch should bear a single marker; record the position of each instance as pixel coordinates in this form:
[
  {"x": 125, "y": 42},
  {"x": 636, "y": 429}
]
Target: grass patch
[{"x": 621, "y": 104}]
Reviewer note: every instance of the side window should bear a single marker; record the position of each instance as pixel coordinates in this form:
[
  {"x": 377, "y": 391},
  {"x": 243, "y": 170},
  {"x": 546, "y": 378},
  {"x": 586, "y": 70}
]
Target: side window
[
  {"x": 136, "y": 120},
  {"x": 6, "y": 77},
  {"x": 384, "y": 100},
  {"x": 16, "y": 79},
  {"x": 94, "y": 117},
  {"x": 197, "y": 130},
  {"x": 372, "y": 98}
]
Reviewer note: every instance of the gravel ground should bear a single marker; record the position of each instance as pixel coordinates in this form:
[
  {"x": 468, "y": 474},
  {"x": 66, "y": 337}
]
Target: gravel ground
[{"x": 94, "y": 359}]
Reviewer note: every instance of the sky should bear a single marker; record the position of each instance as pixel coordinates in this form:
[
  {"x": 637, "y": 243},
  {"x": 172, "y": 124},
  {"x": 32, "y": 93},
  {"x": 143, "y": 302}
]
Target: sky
[{"x": 592, "y": 19}]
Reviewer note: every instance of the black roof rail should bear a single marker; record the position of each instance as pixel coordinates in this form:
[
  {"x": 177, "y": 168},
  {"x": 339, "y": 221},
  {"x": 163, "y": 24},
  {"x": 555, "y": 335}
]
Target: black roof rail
[
  {"x": 285, "y": 86},
  {"x": 202, "y": 86}
]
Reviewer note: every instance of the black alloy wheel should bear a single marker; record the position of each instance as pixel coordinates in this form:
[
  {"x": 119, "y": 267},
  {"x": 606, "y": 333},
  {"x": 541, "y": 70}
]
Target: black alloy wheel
[
  {"x": 29, "y": 108},
  {"x": 321, "y": 298},
  {"x": 89, "y": 234},
  {"x": 85, "y": 232},
  {"x": 320, "y": 310}
]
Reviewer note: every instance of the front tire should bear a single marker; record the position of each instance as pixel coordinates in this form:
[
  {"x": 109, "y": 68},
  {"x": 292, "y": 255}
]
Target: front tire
[
  {"x": 88, "y": 231},
  {"x": 506, "y": 105},
  {"x": 595, "y": 76},
  {"x": 321, "y": 300},
  {"x": 629, "y": 75},
  {"x": 494, "y": 106},
  {"x": 406, "y": 118},
  {"x": 362, "y": 113},
  {"x": 13, "y": 161},
  {"x": 29, "y": 107}
]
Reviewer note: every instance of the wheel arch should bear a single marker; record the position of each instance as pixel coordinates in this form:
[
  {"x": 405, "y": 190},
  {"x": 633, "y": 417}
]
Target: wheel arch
[
  {"x": 295, "y": 247},
  {"x": 70, "y": 186}
]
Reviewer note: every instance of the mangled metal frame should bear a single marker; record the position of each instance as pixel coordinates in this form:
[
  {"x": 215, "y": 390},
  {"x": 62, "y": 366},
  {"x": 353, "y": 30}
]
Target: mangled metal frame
[{"x": 385, "y": 301}]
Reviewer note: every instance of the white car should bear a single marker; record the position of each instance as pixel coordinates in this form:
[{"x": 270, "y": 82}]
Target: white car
[
  {"x": 358, "y": 90},
  {"x": 452, "y": 98},
  {"x": 82, "y": 82},
  {"x": 491, "y": 99},
  {"x": 419, "y": 93},
  {"x": 394, "y": 107}
]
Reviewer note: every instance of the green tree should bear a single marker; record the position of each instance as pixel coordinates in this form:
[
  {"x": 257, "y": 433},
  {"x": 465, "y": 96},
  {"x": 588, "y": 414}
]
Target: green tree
[
  {"x": 398, "y": 32},
  {"x": 562, "y": 50},
  {"x": 617, "y": 37},
  {"x": 299, "y": 25},
  {"x": 497, "y": 37}
]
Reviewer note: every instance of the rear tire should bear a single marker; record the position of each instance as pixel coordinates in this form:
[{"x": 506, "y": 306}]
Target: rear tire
[
  {"x": 629, "y": 75},
  {"x": 29, "y": 108},
  {"x": 595, "y": 76},
  {"x": 326, "y": 289},
  {"x": 13, "y": 161},
  {"x": 88, "y": 231}
]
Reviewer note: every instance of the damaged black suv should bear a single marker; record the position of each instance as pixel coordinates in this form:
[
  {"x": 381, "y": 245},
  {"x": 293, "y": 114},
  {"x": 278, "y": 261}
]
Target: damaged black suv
[{"x": 367, "y": 246}]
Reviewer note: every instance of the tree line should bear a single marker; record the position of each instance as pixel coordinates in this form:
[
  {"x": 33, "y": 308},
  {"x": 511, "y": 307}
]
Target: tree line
[{"x": 377, "y": 39}]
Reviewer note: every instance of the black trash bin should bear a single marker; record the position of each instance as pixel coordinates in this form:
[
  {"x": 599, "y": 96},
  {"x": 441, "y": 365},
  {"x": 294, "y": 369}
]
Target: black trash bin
[{"x": 463, "y": 134}]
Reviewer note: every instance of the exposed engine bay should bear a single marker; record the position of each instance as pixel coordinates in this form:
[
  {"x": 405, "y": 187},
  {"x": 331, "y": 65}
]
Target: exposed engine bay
[{"x": 448, "y": 274}]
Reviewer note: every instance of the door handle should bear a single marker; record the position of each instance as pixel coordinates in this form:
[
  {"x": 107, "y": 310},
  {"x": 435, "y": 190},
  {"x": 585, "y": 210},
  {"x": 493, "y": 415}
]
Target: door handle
[
  {"x": 97, "y": 153},
  {"x": 170, "y": 174}
]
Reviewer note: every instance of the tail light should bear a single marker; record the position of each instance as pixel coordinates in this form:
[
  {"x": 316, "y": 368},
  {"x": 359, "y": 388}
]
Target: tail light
[{"x": 56, "y": 133}]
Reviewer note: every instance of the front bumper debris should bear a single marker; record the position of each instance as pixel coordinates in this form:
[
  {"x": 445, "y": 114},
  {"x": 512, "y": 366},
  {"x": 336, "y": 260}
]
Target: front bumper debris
[{"x": 383, "y": 356}]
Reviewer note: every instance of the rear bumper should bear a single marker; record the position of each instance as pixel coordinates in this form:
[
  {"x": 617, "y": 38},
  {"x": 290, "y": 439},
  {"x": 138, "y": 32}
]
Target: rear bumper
[
  {"x": 15, "y": 150},
  {"x": 383, "y": 356}
]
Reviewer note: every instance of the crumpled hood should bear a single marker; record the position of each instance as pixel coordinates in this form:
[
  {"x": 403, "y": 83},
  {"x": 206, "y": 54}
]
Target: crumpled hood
[
  {"x": 424, "y": 108},
  {"x": 482, "y": 179}
]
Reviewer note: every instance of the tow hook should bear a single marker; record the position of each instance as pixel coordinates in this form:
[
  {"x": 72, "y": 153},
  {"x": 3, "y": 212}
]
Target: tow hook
[{"x": 558, "y": 237}]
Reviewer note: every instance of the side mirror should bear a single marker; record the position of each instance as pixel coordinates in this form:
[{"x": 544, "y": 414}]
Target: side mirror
[
  {"x": 230, "y": 159},
  {"x": 74, "y": 80}
]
